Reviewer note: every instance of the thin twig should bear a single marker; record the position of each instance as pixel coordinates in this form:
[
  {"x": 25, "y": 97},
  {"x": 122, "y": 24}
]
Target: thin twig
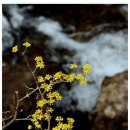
[
  {"x": 5, "y": 119},
  {"x": 49, "y": 121},
  {"x": 33, "y": 74},
  {"x": 15, "y": 115},
  {"x": 27, "y": 86},
  {"x": 27, "y": 95}
]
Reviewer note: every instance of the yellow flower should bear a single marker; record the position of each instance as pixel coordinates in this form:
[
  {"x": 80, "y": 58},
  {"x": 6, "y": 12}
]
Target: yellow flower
[
  {"x": 73, "y": 66},
  {"x": 61, "y": 125},
  {"x": 41, "y": 103},
  {"x": 59, "y": 118},
  {"x": 53, "y": 97},
  {"x": 40, "y": 79},
  {"x": 69, "y": 78},
  {"x": 70, "y": 120},
  {"x": 38, "y": 111},
  {"x": 26, "y": 44},
  {"x": 87, "y": 69},
  {"x": 46, "y": 116},
  {"x": 46, "y": 87},
  {"x": 37, "y": 125},
  {"x": 29, "y": 127},
  {"x": 48, "y": 77},
  {"x": 40, "y": 64},
  {"x": 80, "y": 76},
  {"x": 38, "y": 115},
  {"x": 50, "y": 110},
  {"x": 83, "y": 82},
  {"x": 15, "y": 48},
  {"x": 81, "y": 79},
  {"x": 57, "y": 75},
  {"x": 51, "y": 101},
  {"x": 38, "y": 58}
]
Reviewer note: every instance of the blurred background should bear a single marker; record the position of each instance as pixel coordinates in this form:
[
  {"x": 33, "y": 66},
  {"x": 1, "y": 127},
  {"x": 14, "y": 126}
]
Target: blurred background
[{"x": 65, "y": 34}]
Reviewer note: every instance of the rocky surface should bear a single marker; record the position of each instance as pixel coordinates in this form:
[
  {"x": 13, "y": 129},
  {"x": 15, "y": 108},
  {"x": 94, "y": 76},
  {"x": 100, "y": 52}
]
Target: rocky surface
[{"x": 112, "y": 104}]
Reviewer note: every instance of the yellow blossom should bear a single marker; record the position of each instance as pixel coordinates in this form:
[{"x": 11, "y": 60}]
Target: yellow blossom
[
  {"x": 79, "y": 76},
  {"x": 70, "y": 120},
  {"x": 15, "y": 49},
  {"x": 48, "y": 77},
  {"x": 39, "y": 62},
  {"x": 50, "y": 110},
  {"x": 87, "y": 69},
  {"x": 41, "y": 102},
  {"x": 38, "y": 111},
  {"x": 29, "y": 127},
  {"x": 46, "y": 116},
  {"x": 83, "y": 82},
  {"x": 40, "y": 79},
  {"x": 59, "y": 119},
  {"x": 36, "y": 117},
  {"x": 40, "y": 65},
  {"x": 26, "y": 44},
  {"x": 73, "y": 66},
  {"x": 38, "y": 58},
  {"x": 62, "y": 126},
  {"x": 40, "y": 117},
  {"x": 57, "y": 75},
  {"x": 46, "y": 87},
  {"x": 51, "y": 101},
  {"x": 81, "y": 79},
  {"x": 69, "y": 78},
  {"x": 37, "y": 125},
  {"x": 54, "y": 95}
]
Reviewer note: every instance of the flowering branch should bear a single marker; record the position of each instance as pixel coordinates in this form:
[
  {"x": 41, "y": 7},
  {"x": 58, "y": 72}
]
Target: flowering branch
[{"x": 44, "y": 86}]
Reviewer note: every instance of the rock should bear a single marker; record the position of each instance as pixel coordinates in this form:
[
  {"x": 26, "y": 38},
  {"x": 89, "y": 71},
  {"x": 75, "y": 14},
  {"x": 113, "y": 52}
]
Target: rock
[
  {"x": 112, "y": 104},
  {"x": 113, "y": 98}
]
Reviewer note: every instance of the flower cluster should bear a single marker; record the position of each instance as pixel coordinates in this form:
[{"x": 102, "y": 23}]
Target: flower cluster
[
  {"x": 26, "y": 44},
  {"x": 39, "y": 62},
  {"x": 41, "y": 103},
  {"x": 54, "y": 96},
  {"x": 73, "y": 66},
  {"x": 63, "y": 126},
  {"x": 15, "y": 49},
  {"x": 37, "y": 117},
  {"x": 40, "y": 79},
  {"x": 59, "y": 119},
  {"x": 87, "y": 69},
  {"x": 46, "y": 87},
  {"x": 50, "y": 99},
  {"x": 81, "y": 79},
  {"x": 48, "y": 77},
  {"x": 57, "y": 75},
  {"x": 29, "y": 127}
]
